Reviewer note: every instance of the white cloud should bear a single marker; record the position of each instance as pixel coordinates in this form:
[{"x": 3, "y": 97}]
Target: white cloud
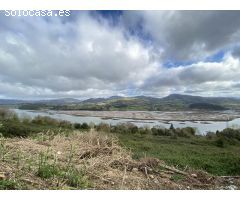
[
  {"x": 75, "y": 56},
  {"x": 87, "y": 56},
  {"x": 188, "y": 35},
  {"x": 202, "y": 78}
]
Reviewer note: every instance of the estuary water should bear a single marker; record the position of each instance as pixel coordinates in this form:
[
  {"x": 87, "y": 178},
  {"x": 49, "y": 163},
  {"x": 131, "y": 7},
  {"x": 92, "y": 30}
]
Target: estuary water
[{"x": 202, "y": 127}]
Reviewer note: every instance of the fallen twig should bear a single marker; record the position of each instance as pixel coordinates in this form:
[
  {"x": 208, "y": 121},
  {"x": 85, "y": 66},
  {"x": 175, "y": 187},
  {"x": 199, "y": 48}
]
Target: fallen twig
[
  {"x": 173, "y": 169},
  {"x": 124, "y": 175},
  {"x": 229, "y": 176}
]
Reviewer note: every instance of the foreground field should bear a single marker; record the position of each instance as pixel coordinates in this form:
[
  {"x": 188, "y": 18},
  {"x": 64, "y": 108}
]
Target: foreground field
[{"x": 91, "y": 160}]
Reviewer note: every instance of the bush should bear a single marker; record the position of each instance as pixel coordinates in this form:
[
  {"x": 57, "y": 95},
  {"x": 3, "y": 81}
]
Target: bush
[
  {"x": 154, "y": 131},
  {"x": 210, "y": 135},
  {"x": 26, "y": 120},
  {"x": 103, "y": 127},
  {"x": 11, "y": 128},
  {"x": 134, "y": 129},
  {"x": 120, "y": 128},
  {"x": 64, "y": 124},
  {"x": 48, "y": 121},
  {"x": 160, "y": 131},
  {"x": 184, "y": 132},
  {"x": 85, "y": 126},
  {"x": 220, "y": 142},
  {"x": 229, "y": 133},
  {"x": 77, "y": 125},
  {"x": 144, "y": 130},
  {"x": 129, "y": 128},
  {"x": 45, "y": 120}
]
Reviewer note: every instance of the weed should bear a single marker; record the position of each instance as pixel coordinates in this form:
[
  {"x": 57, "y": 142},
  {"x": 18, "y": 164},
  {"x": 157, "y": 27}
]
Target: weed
[
  {"x": 177, "y": 177},
  {"x": 3, "y": 149},
  {"x": 8, "y": 185},
  {"x": 76, "y": 178},
  {"x": 46, "y": 170},
  {"x": 70, "y": 156},
  {"x": 73, "y": 177}
]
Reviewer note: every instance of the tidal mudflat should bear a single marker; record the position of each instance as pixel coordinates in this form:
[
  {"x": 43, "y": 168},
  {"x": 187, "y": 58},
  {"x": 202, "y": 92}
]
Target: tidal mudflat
[{"x": 161, "y": 116}]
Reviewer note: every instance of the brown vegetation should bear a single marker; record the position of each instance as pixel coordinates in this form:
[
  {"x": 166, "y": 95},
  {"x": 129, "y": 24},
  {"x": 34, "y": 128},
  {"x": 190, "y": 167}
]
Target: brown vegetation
[{"x": 102, "y": 162}]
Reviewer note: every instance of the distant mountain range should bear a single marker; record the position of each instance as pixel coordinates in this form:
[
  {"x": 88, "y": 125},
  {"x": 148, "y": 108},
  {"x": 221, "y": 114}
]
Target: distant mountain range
[
  {"x": 171, "y": 102},
  {"x": 51, "y": 101}
]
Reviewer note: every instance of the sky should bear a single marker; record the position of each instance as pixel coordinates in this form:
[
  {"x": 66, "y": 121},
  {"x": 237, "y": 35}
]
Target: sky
[{"x": 128, "y": 53}]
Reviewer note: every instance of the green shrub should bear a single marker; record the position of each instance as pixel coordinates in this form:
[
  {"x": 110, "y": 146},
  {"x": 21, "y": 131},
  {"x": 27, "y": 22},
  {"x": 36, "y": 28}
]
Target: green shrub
[
  {"x": 134, "y": 129},
  {"x": 144, "y": 130},
  {"x": 160, "y": 131},
  {"x": 47, "y": 171},
  {"x": 154, "y": 131},
  {"x": 77, "y": 125},
  {"x": 65, "y": 124},
  {"x": 210, "y": 135},
  {"x": 184, "y": 132},
  {"x": 103, "y": 127},
  {"x": 8, "y": 185},
  {"x": 85, "y": 126},
  {"x": 26, "y": 120},
  {"x": 220, "y": 142},
  {"x": 11, "y": 128},
  {"x": 120, "y": 128},
  {"x": 229, "y": 133},
  {"x": 45, "y": 120}
]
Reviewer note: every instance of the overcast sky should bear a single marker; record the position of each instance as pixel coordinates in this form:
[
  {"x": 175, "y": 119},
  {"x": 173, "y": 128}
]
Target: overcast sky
[{"x": 129, "y": 53}]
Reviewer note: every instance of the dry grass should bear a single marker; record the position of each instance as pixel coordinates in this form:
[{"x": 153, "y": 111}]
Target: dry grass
[{"x": 104, "y": 164}]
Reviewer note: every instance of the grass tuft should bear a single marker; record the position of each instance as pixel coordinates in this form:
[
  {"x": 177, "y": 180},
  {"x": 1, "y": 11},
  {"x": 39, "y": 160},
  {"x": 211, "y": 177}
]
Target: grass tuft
[{"x": 8, "y": 185}]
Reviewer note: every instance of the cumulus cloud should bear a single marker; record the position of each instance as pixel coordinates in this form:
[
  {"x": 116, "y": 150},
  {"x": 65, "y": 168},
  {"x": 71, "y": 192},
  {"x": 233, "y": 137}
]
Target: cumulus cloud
[
  {"x": 205, "y": 78},
  {"x": 77, "y": 55},
  {"x": 88, "y": 55},
  {"x": 188, "y": 35},
  {"x": 236, "y": 52}
]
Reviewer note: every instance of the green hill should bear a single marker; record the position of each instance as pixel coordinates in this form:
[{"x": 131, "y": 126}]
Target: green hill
[{"x": 173, "y": 102}]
